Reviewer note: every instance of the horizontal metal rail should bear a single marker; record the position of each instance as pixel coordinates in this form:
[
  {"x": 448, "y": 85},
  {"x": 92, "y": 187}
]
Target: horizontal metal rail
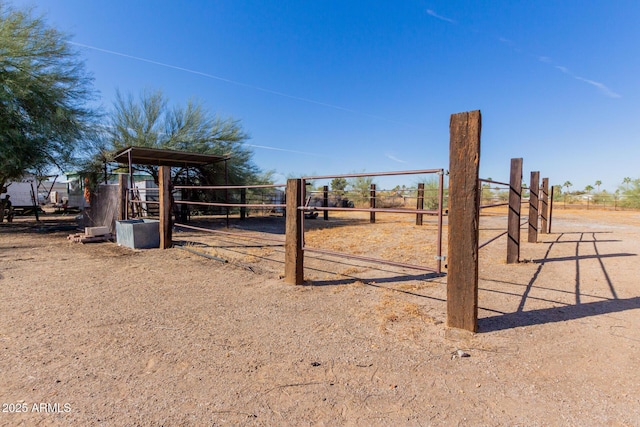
[
  {"x": 494, "y": 205},
  {"x": 358, "y": 175},
  {"x": 240, "y": 235},
  {"x": 388, "y": 210},
  {"x": 493, "y": 182},
  {"x": 145, "y": 201},
  {"x": 226, "y": 187},
  {"x": 229, "y": 205},
  {"x": 369, "y": 259}
]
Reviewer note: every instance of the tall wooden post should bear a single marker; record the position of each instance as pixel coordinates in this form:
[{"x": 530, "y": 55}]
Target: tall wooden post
[
  {"x": 122, "y": 199},
  {"x": 325, "y": 201},
  {"x": 534, "y": 188},
  {"x": 372, "y": 203},
  {"x": 544, "y": 206},
  {"x": 551, "y": 209},
  {"x": 294, "y": 256},
  {"x": 515, "y": 201},
  {"x": 420, "y": 203},
  {"x": 164, "y": 179},
  {"x": 243, "y": 200},
  {"x": 464, "y": 215}
]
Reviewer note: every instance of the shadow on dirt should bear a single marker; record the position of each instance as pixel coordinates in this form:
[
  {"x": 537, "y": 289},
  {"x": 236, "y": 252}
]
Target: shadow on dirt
[
  {"x": 46, "y": 225},
  {"x": 585, "y": 241},
  {"x": 556, "y": 314}
]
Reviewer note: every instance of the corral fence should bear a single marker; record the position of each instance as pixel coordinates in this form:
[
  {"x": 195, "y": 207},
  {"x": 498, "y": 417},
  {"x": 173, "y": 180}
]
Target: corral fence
[
  {"x": 463, "y": 206},
  {"x": 236, "y": 201},
  {"x": 297, "y": 206}
]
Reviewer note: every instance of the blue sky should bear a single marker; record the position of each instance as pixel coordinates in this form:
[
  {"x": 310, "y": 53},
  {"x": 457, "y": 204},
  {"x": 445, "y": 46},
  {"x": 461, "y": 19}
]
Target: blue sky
[{"x": 330, "y": 87}]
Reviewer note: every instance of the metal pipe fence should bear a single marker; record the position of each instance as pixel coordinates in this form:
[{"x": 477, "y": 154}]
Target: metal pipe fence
[{"x": 439, "y": 212}]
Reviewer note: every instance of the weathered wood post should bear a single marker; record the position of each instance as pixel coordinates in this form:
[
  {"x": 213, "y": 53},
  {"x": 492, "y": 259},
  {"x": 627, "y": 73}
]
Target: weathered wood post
[
  {"x": 243, "y": 201},
  {"x": 534, "y": 188},
  {"x": 464, "y": 215},
  {"x": 325, "y": 201},
  {"x": 420, "y": 203},
  {"x": 551, "y": 208},
  {"x": 372, "y": 203},
  {"x": 164, "y": 179},
  {"x": 122, "y": 199},
  {"x": 544, "y": 206},
  {"x": 515, "y": 202},
  {"x": 294, "y": 256}
]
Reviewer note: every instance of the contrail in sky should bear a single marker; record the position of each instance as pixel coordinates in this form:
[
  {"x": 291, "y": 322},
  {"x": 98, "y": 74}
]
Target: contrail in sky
[
  {"x": 237, "y": 83},
  {"x": 600, "y": 86}
]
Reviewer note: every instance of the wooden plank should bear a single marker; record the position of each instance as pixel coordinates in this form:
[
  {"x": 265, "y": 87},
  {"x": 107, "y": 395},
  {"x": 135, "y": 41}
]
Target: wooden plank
[
  {"x": 534, "y": 189},
  {"x": 544, "y": 206},
  {"x": 464, "y": 211},
  {"x": 372, "y": 203},
  {"x": 166, "y": 227},
  {"x": 420, "y": 203},
  {"x": 294, "y": 257},
  {"x": 515, "y": 201}
]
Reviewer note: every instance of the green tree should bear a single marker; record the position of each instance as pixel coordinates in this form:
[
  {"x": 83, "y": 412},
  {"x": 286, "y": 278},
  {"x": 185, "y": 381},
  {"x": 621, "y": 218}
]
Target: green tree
[
  {"x": 626, "y": 181},
  {"x": 588, "y": 189},
  {"x": 598, "y": 184},
  {"x": 44, "y": 90},
  {"x": 631, "y": 194},
  {"x": 339, "y": 185},
  {"x": 360, "y": 186},
  {"x": 567, "y": 184},
  {"x": 149, "y": 121}
]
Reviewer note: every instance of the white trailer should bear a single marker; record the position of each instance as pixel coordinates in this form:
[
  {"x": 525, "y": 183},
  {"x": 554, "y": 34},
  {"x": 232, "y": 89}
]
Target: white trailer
[{"x": 22, "y": 193}]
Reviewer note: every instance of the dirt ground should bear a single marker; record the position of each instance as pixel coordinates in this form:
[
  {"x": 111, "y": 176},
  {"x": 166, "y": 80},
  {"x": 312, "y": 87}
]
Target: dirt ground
[{"x": 100, "y": 335}]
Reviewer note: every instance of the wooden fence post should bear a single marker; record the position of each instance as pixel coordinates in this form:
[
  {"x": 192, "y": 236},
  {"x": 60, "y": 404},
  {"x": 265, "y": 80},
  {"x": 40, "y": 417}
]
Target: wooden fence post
[
  {"x": 534, "y": 188},
  {"x": 551, "y": 208},
  {"x": 325, "y": 201},
  {"x": 420, "y": 203},
  {"x": 166, "y": 227},
  {"x": 372, "y": 203},
  {"x": 515, "y": 201},
  {"x": 544, "y": 206},
  {"x": 294, "y": 256},
  {"x": 122, "y": 199},
  {"x": 464, "y": 215},
  {"x": 243, "y": 200}
]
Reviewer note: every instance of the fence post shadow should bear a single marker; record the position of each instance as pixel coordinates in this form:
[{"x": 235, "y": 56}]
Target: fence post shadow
[{"x": 578, "y": 310}]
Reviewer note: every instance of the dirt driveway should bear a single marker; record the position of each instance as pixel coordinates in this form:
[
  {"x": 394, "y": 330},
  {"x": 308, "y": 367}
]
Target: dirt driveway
[{"x": 98, "y": 335}]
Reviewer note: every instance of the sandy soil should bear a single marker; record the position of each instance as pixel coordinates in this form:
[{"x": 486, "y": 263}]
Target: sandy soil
[{"x": 98, "y": 335}]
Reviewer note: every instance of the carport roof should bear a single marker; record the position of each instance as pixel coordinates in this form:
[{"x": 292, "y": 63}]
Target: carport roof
[{"x": 161, "y": 157}]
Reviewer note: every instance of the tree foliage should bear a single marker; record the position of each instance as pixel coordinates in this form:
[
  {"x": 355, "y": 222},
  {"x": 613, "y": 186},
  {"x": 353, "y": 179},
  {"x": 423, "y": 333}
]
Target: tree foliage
[
  {"x": 149, "y": 121},
  {"x": 630, "y": 193},
  {"x": 44, "y": 89},
  {"x": 339, "y": 185}
]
